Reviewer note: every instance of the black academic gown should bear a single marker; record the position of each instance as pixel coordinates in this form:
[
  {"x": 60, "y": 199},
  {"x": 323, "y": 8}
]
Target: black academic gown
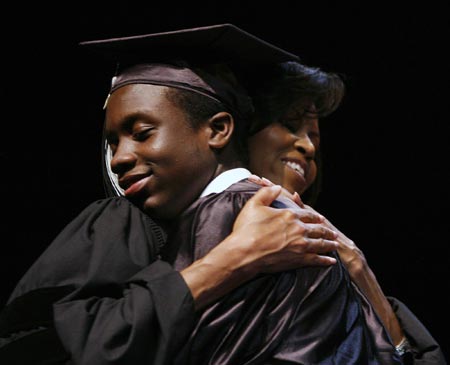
[
  {"x": 424, "y": 348},
  {"x": 114, "y": 301},
  {"x": 100, "y": 295}
]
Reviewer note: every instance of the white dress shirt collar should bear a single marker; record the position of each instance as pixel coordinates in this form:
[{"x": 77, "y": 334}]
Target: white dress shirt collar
[{"x": 225, "y": 179}]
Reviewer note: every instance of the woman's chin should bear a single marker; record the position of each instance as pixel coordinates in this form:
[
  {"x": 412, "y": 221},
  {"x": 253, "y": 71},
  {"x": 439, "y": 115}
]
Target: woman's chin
[{"x": 297, "y": 187}]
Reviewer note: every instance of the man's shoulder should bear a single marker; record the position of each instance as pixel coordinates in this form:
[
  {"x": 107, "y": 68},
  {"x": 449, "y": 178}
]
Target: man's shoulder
[
  {"x": 248, "y": 189},
  {"x": 229, "y": 199},
  {"x": 238, "y": 192},
  {"x": 243, "y": 186}
]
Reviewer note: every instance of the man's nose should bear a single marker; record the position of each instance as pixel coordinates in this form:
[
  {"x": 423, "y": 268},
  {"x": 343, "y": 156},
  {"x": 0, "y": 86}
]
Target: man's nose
[{"x": 123, "y": 158}]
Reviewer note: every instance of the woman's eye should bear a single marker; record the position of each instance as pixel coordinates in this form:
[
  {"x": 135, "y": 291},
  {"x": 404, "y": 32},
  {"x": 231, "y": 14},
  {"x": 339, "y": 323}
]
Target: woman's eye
[{"x": 291, "y": 125}]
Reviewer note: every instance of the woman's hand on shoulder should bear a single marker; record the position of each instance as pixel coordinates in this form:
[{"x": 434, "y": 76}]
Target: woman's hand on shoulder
[
  {"x": 351, "y": 256},
  {"x": 277, "y": 239}
]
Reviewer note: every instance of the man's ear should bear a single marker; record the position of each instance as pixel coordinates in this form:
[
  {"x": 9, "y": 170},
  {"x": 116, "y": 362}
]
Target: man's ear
[{"x": 221, "y": 126}]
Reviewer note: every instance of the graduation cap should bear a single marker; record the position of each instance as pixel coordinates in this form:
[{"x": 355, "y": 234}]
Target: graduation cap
[
  {"x": 184, "y": 59},
  {"x": 212, "y": 61}
]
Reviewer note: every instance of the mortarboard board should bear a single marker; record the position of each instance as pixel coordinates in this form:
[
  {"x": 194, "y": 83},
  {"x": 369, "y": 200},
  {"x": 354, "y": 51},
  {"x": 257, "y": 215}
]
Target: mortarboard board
[{"x": 210, "y": 44}]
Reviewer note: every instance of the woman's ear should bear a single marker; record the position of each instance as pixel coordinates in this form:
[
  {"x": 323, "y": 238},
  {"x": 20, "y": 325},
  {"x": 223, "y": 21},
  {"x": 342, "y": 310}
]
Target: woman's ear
[{"x": 221, "y": 126}]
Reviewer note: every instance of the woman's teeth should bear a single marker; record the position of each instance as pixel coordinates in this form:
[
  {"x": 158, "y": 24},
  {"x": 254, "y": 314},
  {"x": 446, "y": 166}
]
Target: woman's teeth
[{"x": 296, "y": 167}]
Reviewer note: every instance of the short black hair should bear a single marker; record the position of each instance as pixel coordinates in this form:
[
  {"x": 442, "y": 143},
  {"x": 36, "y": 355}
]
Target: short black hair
[
  {"x": 292, "y": 83},
  {"x": 199, "y": 108}
]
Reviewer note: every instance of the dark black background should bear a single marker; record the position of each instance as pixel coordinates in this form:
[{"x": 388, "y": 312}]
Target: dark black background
[{"x": 386, "y": 148}]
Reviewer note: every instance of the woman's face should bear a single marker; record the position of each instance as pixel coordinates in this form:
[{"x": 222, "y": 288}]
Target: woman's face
[{"x": 284, "y": 151}]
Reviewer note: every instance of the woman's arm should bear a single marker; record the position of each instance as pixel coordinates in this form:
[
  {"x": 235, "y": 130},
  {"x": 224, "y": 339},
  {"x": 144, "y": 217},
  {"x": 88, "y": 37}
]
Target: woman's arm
[
  {"x": 363, "y": 276},
  {"x": 400, "y": 322},
  {"x": 358, "y": 268}
]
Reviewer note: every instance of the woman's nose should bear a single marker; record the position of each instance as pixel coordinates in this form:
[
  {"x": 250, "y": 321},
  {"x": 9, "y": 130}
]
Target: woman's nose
[
  {"x": 123, "y": 158},
  {"x": 304, "y": 144}
]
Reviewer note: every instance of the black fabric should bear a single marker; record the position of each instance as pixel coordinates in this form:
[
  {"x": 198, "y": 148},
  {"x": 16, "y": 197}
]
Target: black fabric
[
  {"x": 31, "y": 310},
  {"x": 424, "y": 348},
  {"x": 28, "y": 321},
  {"x": 108, "y": 233},
  {"x": 126, "y": 306},
  {"x": 305, "y": 316},
  {"x": 40, "y": 347}
]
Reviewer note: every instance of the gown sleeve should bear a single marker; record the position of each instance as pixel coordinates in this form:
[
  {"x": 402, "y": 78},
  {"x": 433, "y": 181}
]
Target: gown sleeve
[
  {"x": 114, "y": 301},
  {"x": 424, "y": 349}
]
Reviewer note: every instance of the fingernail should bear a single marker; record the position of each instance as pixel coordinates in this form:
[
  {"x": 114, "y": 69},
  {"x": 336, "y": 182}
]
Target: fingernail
[
  {"x": 267, "y": 181},
  {"x": 254, "y": 178}
]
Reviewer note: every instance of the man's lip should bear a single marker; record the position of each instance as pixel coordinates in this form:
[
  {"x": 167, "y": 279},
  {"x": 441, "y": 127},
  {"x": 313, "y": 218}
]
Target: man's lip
[
  {"x": 127, "y": 181},
  {"x": 137, "y": 186}
]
